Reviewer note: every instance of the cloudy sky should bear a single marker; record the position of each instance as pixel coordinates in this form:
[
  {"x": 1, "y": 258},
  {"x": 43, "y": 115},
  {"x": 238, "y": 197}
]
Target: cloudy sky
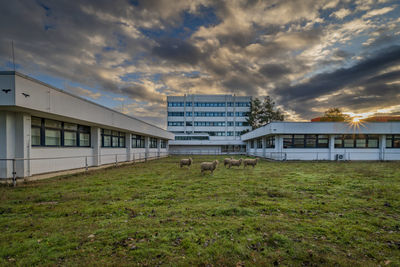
[{"x": 308, "y": 55}]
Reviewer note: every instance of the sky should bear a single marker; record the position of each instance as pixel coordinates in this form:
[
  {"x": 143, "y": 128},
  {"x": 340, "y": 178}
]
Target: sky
[{"x": 308, "y": 55}]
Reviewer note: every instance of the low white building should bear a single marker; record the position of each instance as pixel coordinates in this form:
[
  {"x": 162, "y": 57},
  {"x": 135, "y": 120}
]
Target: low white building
[
  {"x": 325, "y": 141},
  {"x": 207, "y": 124},
  {"x": 44, "y": 129}
]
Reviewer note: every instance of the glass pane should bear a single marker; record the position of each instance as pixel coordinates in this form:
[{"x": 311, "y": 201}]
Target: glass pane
[
  {"x": 84, "y": 128},
  {"x": 69, "y": 138},
  {"x": 35, "y": 134},
  {"x": 396, "y": 143},
  {"x": 70, "y": 126},
  {"x": 52, "y": 137},
  {"x": 122, "y": 142},
  {"x": 115, "y": 141},
  {"x": 115, "y": 133},
  {"x": 122, "y": 134},
  {"x": 84, "y": 139},
  {"x": 388, "y": 142},
  {"x": 348, "y": 143},
  {"x": 106, "y": 141},
  {"x": 105, "y": 131},
  {"x": 36, "y": 121},
  {"x": 361, "y": 143},
  {"x": 52, "y": 124},
  {"x": 373, "y": 143}
]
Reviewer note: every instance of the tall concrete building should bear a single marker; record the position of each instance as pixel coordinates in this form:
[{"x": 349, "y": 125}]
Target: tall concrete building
[{"x": 207, "y": 124}]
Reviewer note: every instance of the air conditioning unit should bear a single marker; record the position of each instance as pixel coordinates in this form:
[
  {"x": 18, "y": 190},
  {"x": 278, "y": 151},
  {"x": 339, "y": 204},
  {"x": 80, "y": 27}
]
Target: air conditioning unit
[{"x": 340, "y": 157}]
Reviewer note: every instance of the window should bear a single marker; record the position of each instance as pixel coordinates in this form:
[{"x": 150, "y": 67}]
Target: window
[
  {"x": 112, "y": 138},
  {"x": 191, "y": 138},
  {"x": 175, "y": 123},
  {"x": 188, "y": 114},
  {"x": 209, "y": 123},
  {"x": 175, "y": 104},
  {"x": 52, "y": 133},
  {"x": 356, "y": 141},
  {"x": 252, "y": 144},
  {"x": 241, "y": 114},
  {"x": 229, "y": 114},
  {"x": 311, "y": 141},
  {"x": 209, "y": 104},
  {"x": 229, "y": 104},
  {"x": 153, "y": 142},
  {"x": 259, "y": 143},
  {"x": 70, "y": 134},
  {"x": 230, "y": 123},
  {"x": 163, "y": 143},
  {"x": 229, "y": 133},
  {"x": 189, "y": 123},
  {"x": 175, "y": 114},
  {"x": 243, "y": 104},
  {"x": 393, "y": 141},
  {"x": 36, "y": 131},
  {"x": 323, "y": 141},
  {"x": 188, "y": 104},
  {"x": 270, "y": 142},
  {"x": 209, "y": 114},
  {"x": 305, "y": 141},
  {"x": 242, "y": 123},
  {"x": 137, "y": 141}
]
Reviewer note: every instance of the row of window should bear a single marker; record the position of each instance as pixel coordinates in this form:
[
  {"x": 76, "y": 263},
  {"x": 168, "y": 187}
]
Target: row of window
[
  {"x": 322, "y": 141},
  {"x": 191, "y": 138},
  {"x": 305, "y": 141},
  {"x": 206, "y": 114},
  {"x": 269, "y": 142},
  {"x": 356, "y": 141},
  {"x": 45, "y": 132},
  {"x": 209, "y": 104},
  {"x": 207, "y": 123}
]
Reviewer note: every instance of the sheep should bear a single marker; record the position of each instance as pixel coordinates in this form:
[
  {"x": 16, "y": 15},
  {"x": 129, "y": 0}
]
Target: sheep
[
  {"x": 235, "y": 162},
  {"x": 187, "y": 162},
  {"x": 252, "y": 162},
  {"x": 209, "y": 166},
  {"x": 226, "y": 161}
]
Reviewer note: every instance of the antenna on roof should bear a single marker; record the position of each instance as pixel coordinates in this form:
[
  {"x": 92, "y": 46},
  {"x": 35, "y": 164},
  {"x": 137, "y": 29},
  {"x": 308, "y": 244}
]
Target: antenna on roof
[{"x": 12, "y": 46}]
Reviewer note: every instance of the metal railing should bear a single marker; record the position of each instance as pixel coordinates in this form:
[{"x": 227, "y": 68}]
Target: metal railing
[
  {"x": 84, "y": 161},
  {"x": 211, "y": 152}
]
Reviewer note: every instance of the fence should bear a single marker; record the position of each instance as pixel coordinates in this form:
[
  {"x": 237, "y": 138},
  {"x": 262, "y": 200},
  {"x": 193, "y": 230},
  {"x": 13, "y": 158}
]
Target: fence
[
  {"x": 34, "y": 165},
  {"x": 205, "y": 152}
]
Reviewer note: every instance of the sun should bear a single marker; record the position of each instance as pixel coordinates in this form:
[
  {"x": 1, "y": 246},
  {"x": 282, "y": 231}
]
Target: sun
[{"x": 356, "y": 119}]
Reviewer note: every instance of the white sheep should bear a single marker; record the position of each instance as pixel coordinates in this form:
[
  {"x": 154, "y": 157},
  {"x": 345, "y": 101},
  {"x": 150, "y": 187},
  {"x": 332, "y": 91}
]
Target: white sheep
[
  {"x": 226, "y": 161},
  {"x": 235, "y": 162},
  {"x": 187, "y": 162},
  {"x": 252, "y": 162},
  {"x": 209, "y": 166}
]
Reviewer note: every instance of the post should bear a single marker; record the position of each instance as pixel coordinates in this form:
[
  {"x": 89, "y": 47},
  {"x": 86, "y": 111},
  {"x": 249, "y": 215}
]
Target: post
[
  {"x": 116, "y": 160},
  {"x": 86, "y": 164},
  {"x": 14, "y": 173}
]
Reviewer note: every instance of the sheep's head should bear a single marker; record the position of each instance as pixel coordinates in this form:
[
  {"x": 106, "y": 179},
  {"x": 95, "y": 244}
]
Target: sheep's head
[
  {"x": 240, "y": 160},
  {"x": 190, "y": 160},
  {"x": 216, "y": 162}
]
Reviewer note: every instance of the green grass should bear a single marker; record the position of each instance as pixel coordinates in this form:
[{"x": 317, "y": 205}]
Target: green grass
[{"x": 154, "y": 213}]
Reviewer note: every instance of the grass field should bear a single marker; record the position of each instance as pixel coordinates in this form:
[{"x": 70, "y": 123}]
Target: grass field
[{"x": 154, "y": 213}]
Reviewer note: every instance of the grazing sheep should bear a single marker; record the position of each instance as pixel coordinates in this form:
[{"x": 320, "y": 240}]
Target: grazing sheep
[
  {"x": 252, "y": 162},
  {"x": 209, "y": 166},
  {"x": 187, "y": 162},
  {"x": 235, "y": 162},
  {"x": 226, "y": 161}
]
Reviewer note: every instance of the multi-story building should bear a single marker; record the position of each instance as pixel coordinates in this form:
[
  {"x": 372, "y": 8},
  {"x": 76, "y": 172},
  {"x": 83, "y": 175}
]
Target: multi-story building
[{"x": 208, "y": 124}]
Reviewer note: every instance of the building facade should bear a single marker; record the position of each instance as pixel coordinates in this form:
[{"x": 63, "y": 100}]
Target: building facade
[
  {"x": 325, "y": 141},
  {"x": 207, "y": 124},
  {"x": 44, "y": 129}
]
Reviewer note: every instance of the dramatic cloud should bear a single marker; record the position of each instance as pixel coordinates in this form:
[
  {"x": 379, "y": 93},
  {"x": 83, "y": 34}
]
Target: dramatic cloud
[{"x": 131, "y": 54}]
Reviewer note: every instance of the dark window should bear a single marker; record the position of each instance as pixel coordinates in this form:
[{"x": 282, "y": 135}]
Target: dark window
[
  {"x": 153, "y": 142},
  {"x": 175, "y": 114},
  {"x": 242, "y": 114},
  {"x": 175, "y": 123},
  {"x": 163, "y": 143},
  {"x": 175, "y": 104},
  {"x": 243, "y": 104},
  {"x": 323, "y": 141},
  {"x": 188, "y": 104},
  {"x": 112, "y": 138},
  {"x": 191, "y": 138},
  {"x": 305, "y": 141},
  {"x": 137, "y": 141},
  {"x": 242, "y": 123},
  {"x": 229, "y": 133},
  {"x": 252, "y": 144},
  {"x": 270, "y": 142},
  {"x": 259, "y": 143},
  {"x": 189, "y": 123},
  {"x": 46, "y": 132},
  {"x": 356, "y": 141}
]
